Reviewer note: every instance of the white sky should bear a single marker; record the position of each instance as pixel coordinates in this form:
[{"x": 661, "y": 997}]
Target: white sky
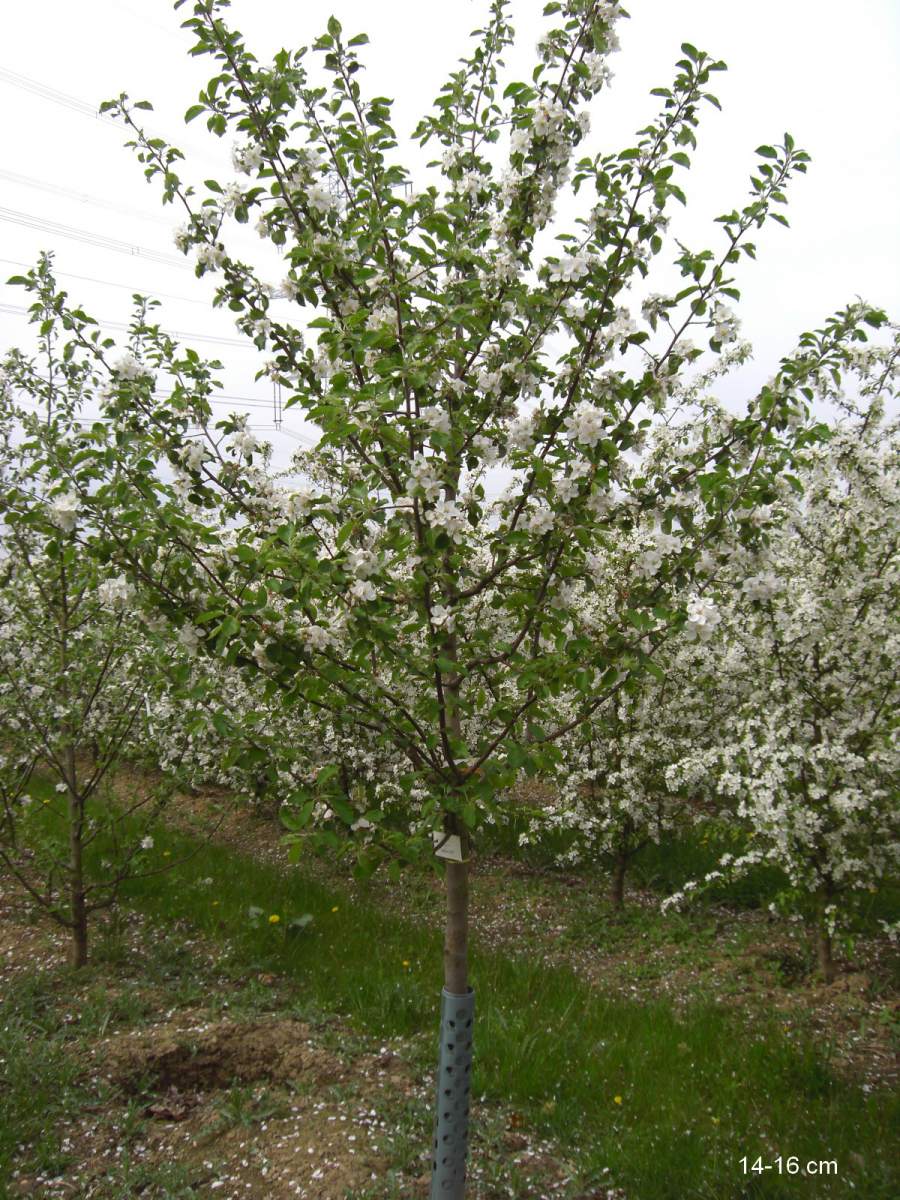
[{"x": 822, "y": 70}]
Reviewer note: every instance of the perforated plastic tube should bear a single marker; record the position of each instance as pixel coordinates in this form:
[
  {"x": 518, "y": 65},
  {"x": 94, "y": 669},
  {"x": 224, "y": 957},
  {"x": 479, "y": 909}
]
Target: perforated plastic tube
[{"x": 451, "y": 1122}]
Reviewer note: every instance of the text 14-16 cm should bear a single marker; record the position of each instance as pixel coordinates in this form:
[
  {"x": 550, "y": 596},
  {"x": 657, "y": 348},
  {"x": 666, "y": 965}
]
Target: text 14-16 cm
[{"x": 789, "y": 1166}]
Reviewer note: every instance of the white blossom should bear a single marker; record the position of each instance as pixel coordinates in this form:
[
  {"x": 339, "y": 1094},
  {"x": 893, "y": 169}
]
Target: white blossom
[
  {"x": 585, "y": 425},
  {"x": 127, "y": 366},
  {"x": 246, "y": 158},
  {"x": 115, "y": 593},
  {"x": 702, "y": 619},
  {"x": 64, "y": 511},
  {"x": 437, "y": 419},
  {"x": 361, "y": 589}
]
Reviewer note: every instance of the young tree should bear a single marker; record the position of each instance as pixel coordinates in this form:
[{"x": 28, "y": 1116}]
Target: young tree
[
  {"x": 612, "y": 797},
  {"x": 76, "y": 673},
  {"x": 403, "y": 597},
  {"x": 810, "y": 764}
]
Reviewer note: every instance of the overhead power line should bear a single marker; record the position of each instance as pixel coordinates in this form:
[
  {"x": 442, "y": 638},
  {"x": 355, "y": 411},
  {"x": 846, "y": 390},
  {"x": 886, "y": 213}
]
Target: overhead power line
[
  {"x": 226, "y": 400},
  {"x": 235, "y": 343},
  {"x": 37, "y": 406},
  {"x": 15, "y": 262},
  {"x": 230, "y": 401},
  {"x": 14, "y": 79},
  {"x": 89, "y": 238},
  {"x": 56, "y": 189},
  {"x": 74, "y": 104}
]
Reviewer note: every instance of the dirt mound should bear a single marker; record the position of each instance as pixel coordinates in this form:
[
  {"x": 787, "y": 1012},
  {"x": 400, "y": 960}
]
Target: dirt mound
[{"x": 214, "y": 1056}]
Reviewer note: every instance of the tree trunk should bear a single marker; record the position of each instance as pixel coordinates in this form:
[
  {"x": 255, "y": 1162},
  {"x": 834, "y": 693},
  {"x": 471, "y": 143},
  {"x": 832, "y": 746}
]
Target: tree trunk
[
  {"x": 456, "y": 928},
  {"x": 824, "y": 954},
  {"x": 451, "y": 1119},
  {"x": 78, "y": 950},
  {"x": 617, "y": 884},
  {"x": 450, "y": 1143},
  {"x": 824, "y": 947}
]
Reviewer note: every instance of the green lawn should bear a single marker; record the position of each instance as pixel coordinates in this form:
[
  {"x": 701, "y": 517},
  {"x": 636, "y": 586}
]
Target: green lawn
[{"x": 660, "y": 1101}]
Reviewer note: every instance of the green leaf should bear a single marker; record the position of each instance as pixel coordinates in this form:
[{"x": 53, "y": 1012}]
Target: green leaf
[
  {"x": 345, "y": 532},
  {"x": 194, "y": 111}
]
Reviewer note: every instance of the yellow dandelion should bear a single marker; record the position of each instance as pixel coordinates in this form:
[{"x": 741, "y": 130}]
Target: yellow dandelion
[
  {"x": 166, "y": 853},
  {"x": 274, "y": 919},
  {"x": 335, "y": 908},
  {"x": 405, "y": 962},
  {"x": 617, "y": 1099},
  {"x": 214, "y": 903}
]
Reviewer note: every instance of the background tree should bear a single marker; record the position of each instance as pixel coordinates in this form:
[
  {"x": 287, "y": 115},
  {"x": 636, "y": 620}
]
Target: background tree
[
  {"x": 76, "y": 674},
  {"x": 809, "y": 763}
]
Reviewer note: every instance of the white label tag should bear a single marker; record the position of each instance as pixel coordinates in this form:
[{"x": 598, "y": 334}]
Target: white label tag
[{"x": 447, "y": 845}]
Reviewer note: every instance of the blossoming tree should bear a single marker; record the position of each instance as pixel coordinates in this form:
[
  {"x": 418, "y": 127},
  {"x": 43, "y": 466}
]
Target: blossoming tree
[
  {"x": 457, "y": 351},
  {"x": 612, "y": 797},
  {"x": 76, "y": 674},
  {"x": 810, "y": 765}
]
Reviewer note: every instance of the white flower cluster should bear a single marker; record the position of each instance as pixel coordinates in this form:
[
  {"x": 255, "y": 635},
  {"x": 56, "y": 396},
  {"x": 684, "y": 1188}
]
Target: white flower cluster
[
  {"x": 423, "y": 478},
  {"x": 316, "y": 637},
  {"x": 182, "y": 236},
  {"x": 362, "y": 589},
  {"x": 246, "y": 158},
  {"x": 655, "y": 306},
  {"x": 210, "y": 257},
  {"x": 193, "y": 455},
  {"x": 486, "y": 450},
  {"x": 116, "y": 593},
  {"x": 320, "y": 198},
  {"x": 763, "y": 586},
  {"x": 437, "y": 419},
  {"x": 569, "y": 269},
  {"x": 724, "y": 323},
  {"x": 244, "y": 443},
  {"x": 520, "y": 434},
  {"x": 702, "y": 619},
  {"x": 621, "y": 327},
  {"x": 447, "y": 515},
  {"x": 362, "y": 563},
  {"x": 127, "y": 366},
  {"x": 63, "y": 511},
  {"x": 585, "y": 425},
  {"x": 540, "y": 520}
]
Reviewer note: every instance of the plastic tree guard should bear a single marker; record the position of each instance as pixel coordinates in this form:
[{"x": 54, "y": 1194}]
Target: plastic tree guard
[{"x": 451, "y": 1122}]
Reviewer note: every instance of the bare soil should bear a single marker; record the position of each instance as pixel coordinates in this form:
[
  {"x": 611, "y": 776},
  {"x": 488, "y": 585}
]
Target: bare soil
[{"x": 192, "y": 1071}]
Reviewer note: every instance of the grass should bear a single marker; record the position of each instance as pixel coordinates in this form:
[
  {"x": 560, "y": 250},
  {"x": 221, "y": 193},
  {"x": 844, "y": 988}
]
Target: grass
[{"x": 659, "y": 1101}]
